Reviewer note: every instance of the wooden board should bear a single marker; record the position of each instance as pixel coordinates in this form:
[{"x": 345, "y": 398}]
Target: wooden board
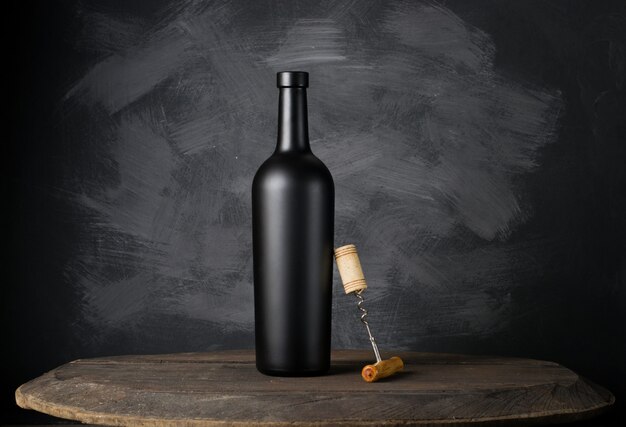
[{"x": 224, "y": 388}]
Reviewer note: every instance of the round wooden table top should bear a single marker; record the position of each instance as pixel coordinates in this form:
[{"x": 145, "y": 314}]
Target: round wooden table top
[{"x": 224, "y": 388}]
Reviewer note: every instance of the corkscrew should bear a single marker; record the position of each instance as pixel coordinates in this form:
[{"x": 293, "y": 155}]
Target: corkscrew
[{"x": 351, "y": 273}]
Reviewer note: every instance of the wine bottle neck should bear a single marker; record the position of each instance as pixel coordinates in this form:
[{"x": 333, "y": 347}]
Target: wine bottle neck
[{"x": 293, "y": 127}]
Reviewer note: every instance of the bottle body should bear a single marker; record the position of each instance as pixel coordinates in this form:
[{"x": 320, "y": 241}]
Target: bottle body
[{"x": 293, "y": 226}]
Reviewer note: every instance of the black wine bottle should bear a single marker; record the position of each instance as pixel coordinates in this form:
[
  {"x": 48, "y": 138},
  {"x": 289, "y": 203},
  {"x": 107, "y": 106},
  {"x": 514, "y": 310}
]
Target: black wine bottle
[{"x": 293, "y": 205}]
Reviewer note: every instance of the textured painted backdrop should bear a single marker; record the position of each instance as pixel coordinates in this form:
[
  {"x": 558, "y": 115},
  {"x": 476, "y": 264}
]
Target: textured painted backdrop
[
  {"x": 459, "y": 137},
  {"x": 425, "y": 140}
]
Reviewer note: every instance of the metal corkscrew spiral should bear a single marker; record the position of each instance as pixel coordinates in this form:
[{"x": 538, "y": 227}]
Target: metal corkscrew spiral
[{"x": 366, "y": 323}]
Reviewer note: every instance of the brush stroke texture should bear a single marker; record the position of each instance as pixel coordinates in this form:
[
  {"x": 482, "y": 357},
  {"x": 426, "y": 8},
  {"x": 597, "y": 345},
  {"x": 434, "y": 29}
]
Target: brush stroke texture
[{"x": 426, "y": 140}]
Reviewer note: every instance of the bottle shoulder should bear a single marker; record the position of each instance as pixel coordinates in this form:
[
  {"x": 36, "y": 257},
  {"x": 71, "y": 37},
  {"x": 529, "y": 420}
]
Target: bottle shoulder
[{"x": 296, "y": 167}]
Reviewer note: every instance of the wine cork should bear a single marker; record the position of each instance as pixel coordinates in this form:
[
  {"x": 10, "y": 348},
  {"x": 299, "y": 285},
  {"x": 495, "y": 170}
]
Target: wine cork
[{"x": 350, "y": 269}]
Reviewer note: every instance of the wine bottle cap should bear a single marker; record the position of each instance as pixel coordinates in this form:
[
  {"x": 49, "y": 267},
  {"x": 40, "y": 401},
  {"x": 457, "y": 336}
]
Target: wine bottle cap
[
  {"x": 292, "y": 79},
  {"x": 350, "y": 269}
]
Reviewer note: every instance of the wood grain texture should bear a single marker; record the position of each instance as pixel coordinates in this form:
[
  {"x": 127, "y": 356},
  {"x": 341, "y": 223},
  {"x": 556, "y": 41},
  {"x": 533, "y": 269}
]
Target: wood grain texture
[{"x": 224, "y": 388}]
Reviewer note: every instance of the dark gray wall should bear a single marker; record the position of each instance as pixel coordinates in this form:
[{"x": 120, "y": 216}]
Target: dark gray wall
[{"x": 477, "y": 150}]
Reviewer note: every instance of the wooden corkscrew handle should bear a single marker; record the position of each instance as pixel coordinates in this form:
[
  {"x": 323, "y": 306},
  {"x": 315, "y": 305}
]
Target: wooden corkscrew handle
[{"x": 382, "y": 369}]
